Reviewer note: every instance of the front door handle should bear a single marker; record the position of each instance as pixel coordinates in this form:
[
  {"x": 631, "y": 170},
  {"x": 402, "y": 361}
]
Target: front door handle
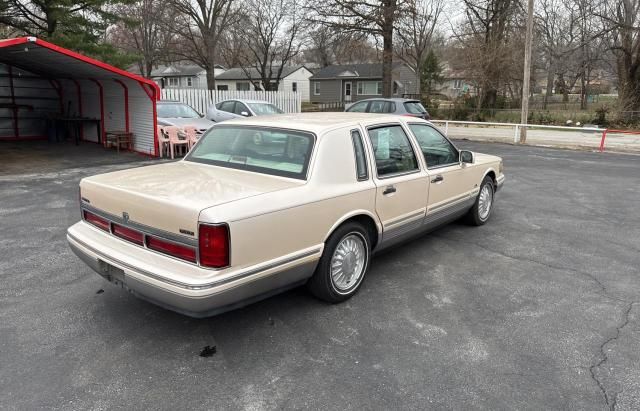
[
  {"x": 438, "y": 179},
  {"x": 389, "y": 190}
]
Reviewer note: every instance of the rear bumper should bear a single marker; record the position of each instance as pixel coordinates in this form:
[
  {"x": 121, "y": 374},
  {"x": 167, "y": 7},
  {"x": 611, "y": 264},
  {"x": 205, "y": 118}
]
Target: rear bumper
[{"x": 192, "y": 290}]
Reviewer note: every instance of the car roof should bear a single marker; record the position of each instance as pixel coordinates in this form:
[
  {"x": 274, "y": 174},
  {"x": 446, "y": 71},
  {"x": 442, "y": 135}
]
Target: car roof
[
  {"x": 318, "y": 123},
  {"x": 396, "y": 99},
  {"x": 245, "y": 101}
]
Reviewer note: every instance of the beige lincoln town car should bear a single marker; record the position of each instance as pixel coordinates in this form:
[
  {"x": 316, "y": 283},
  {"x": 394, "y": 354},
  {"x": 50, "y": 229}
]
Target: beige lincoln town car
[{"x": 264, "y": 204}]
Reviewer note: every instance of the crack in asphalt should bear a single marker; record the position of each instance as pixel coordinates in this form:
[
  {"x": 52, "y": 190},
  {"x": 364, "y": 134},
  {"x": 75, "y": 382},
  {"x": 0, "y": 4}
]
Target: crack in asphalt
[
  {"x": 603, "y": 288},
  {"x": 610, "y": 401}
]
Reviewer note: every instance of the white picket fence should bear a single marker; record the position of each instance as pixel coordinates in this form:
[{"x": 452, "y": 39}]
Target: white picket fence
[{"x": 200, "y": 99}]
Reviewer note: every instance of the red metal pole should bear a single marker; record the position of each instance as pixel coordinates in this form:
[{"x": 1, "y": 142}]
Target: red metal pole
[
  {"x": 126, "y": 103},
  {"x": 604, "y": 135}
]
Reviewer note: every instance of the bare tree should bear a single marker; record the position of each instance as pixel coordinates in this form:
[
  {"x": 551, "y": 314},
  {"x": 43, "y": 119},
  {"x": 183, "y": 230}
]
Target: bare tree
[
  {"x": 622, "y": 19},
  {"x": 144, "y": 33},
  {"x": 486, "y": 44},
  {"x": 199, "y": 25},
  {"x": 415, "y": 32},
  {"x": 372, "y": 17},
  {"x": 272, "y": 30},
  {"x": 328, "y": 46}
]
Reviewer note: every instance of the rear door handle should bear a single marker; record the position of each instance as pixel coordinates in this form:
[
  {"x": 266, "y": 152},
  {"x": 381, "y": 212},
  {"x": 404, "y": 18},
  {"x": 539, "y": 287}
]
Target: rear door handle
[
  {"x": 438, "y": 179},
  {"x": 389, "y": 190}
]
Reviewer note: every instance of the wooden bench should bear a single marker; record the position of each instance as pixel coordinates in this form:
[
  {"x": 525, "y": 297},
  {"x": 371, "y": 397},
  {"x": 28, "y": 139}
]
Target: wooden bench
[{"x": 119, "y": 138}]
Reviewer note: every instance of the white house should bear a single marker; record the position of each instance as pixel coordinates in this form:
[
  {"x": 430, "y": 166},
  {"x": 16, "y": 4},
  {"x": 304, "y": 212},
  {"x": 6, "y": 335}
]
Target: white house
[
  {"x": 183, "y": 76},
  {"x": 294, "y": 79}
]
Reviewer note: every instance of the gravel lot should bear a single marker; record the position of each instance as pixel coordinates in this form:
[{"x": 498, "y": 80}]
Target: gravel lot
[{"x": 538, "y": 309}]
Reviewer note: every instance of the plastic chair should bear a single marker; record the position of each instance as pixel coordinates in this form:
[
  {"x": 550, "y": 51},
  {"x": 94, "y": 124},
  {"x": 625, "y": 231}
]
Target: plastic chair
[
  {"x": 174, "y": 140},
  {"x": 163, "y": 141},
  {"x": 192, "y": 135}
]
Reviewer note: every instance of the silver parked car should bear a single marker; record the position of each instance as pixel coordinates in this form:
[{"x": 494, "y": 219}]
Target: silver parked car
[
  {"x": 398, "y": 106},
  {"x": 229, "y": 109},
  {"x": 175, "y": 113}
]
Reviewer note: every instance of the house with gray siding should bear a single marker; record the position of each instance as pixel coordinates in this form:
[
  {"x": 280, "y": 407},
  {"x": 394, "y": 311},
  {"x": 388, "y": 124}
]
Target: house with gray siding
[{"x": 353, "y": 82}]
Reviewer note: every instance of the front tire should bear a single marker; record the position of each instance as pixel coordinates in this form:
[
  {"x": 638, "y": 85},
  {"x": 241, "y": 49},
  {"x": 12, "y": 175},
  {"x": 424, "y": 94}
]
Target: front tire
[
  {"x": 481, "y": 210},
  {"x": 343, "y": 264}
]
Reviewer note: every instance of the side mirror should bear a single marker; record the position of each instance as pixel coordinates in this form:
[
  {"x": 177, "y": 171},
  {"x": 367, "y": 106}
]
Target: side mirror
[
  {"x": 244, "y": 114},
  {"x": 466, "y": 157}
]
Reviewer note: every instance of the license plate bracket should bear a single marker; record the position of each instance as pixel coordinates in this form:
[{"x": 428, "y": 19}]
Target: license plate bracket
[{"x": 112, "y": 273}]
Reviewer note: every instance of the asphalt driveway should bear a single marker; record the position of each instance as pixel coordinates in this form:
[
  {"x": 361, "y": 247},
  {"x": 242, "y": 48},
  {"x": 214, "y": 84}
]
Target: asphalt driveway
[{"x": 538, "y": 309}]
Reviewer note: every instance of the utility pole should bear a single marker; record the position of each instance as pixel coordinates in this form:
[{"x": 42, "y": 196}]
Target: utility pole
[{"x": 527, "y": 73}]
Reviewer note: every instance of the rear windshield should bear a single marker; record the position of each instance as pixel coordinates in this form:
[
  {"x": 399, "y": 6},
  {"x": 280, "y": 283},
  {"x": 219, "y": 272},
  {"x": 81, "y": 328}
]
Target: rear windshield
[
  {"x": 176, "y": 111},
  {"x": 414, "y": 107},
  {"x": 264, "y": 150},
  {"x": 264, "y": 109}
]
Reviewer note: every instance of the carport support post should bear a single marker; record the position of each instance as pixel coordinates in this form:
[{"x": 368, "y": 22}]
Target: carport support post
[
  {"x": 126, "y": 103},
  {"x": 101, "y": 131},
  {"x": 79, "y": 92},
  {"x": 14, "y": 110}
]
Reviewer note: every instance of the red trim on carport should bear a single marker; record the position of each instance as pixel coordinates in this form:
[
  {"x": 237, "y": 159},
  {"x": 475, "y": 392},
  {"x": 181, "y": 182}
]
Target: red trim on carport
[
  {"x": 126, "y": 103},
  {"x": 101, "y": 111},
  {"x": 62, "y": 50},
  {"x": 154, "y": 93}
]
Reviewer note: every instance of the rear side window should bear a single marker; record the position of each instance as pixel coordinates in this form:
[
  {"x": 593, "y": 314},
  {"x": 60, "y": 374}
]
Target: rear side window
[
  {"x": 390, "y": 107},
  {"x": 227, "y": 106},
  {"x": 361, "y": 158},
  {"x": 377, "y": 107},
  {"x": 393, "y": 151},
  {"x": 358, "y": 107},
  {"x": 414, "y": 107}
]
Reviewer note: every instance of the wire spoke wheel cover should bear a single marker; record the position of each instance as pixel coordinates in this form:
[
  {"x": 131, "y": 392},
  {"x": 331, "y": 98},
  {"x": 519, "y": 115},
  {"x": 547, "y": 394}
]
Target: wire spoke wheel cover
[
  {"x": 485, "y": 201},
  {"x": 348, "y": 262}
]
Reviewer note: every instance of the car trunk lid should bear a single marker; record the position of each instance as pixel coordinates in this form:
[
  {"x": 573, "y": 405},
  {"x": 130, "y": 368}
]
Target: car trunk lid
[{"x": 169, "y": 197}]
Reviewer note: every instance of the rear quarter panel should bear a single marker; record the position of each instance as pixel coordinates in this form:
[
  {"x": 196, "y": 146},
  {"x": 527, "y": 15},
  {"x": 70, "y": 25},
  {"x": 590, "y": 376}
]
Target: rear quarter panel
[{"x": 269, "y": 226}]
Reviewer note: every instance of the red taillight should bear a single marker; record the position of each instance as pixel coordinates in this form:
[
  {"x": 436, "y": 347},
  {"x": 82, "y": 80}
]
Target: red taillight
[
  {"x": 175, "y": 250},
  {"x": 93, "y": 219},
  {"x": 128, "y": 234},
  {"x": 214, "y": 245}
]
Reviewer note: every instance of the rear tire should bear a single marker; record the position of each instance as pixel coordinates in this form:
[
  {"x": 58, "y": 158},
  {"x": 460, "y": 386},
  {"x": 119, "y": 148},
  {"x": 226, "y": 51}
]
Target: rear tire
[
  {"x": 481, "y": 210},
  {"x": 343, "y": 264}
]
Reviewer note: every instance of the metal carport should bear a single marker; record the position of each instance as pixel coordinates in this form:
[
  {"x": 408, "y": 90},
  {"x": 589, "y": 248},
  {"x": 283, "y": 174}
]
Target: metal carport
[{"x": 40, "y": 81}]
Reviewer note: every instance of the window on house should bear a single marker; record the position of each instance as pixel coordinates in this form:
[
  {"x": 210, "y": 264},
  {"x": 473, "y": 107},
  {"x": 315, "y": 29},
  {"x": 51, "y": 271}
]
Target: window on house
[
  {"x": 457, "y": 84},
  {"x": 173, "y": 81},
  {"x": 316, "y": 88},
  {"x": 189, "y": 82},
  {"x": 243, "y": 86},
  {"x": 294, "y": 87},
  {"x": 370, "y": 88},
  {"x": 395, "y": 87},
  {"x": 222, "y": 87}
]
